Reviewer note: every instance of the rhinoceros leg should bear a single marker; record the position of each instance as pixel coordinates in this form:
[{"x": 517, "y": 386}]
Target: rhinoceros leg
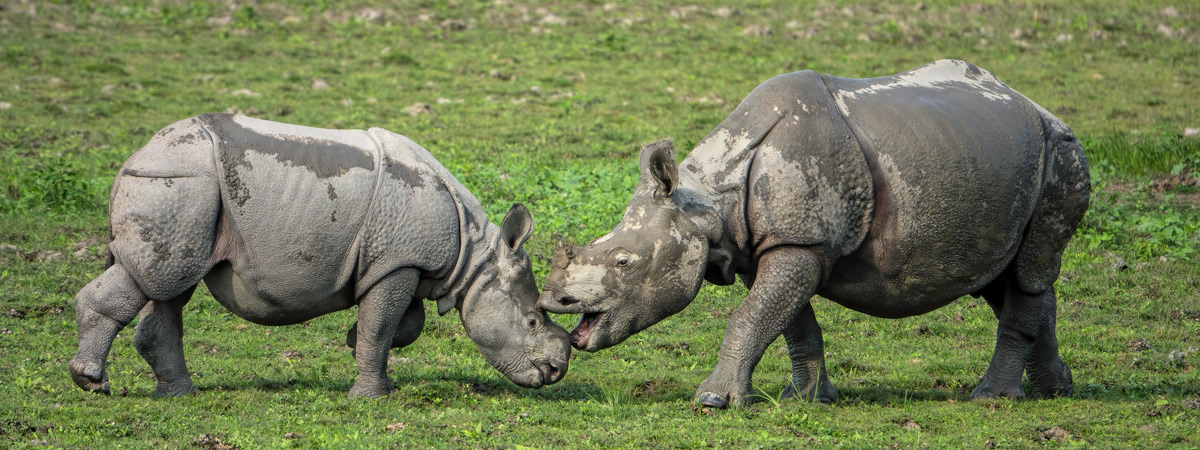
[
  {"x": 786, "y": 278},
  {"x": 159, "y": 339},
  {"x": 379, "y": 313},
  {"x": 1028, "y": 308},
  {"x": 409, "y": 330},
  {"x": 806, "y": 348},
  {"x": 1048, "y": 375},
  {"x": 102, "y": 308},
  {"x": 1025, "y": 337}
]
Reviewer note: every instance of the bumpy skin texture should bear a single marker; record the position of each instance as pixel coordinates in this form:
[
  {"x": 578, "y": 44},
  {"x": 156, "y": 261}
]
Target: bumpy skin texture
[
  {"x": 893, "y": 196},
  {"x": 285, "y": 223}
]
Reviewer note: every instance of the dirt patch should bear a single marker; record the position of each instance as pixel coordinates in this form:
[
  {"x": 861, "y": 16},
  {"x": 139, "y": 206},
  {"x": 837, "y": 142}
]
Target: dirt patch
[
  {"x": 1054, "y": 434},
  {"x": 213, "y": 442}
]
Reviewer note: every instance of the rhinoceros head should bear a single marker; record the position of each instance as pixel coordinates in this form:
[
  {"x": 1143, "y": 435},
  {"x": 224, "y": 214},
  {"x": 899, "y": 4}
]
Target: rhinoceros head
[
  {"x": 647, "y": 268},
  {"x": 500, "y": 314}
]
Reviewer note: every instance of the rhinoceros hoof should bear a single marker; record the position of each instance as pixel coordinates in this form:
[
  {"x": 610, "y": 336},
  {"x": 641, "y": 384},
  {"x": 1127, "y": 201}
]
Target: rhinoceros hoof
[
  {"x": 89, "y": 376},
  {"x": 987, "y": 390},
  {"x": 711, "y": 400},
  {"x": 175, "y": 389},
  {"x": 370, "y": 392}
]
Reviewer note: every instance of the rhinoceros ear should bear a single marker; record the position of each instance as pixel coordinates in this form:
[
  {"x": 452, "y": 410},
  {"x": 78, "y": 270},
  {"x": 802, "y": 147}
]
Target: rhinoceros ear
[
  {"x": 516, "y": 227},
  {"x": 658, "y": 166}
]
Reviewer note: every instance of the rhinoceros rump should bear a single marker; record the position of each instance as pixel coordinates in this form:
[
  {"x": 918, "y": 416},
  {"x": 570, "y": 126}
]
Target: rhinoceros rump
[
  {"x": 893, "y": 196},
  {"x": 285, "y": 223}
]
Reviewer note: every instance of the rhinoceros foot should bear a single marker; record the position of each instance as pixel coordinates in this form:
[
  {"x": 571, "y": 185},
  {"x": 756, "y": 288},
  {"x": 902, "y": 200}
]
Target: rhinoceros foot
[
  {"x": 175, "y": 389},
  {"x": 713, "y": 395},
  {"x": 89, "y": 376},
  {"x": 1060, "y": 384},
  {"x": 988, "y": 389}
]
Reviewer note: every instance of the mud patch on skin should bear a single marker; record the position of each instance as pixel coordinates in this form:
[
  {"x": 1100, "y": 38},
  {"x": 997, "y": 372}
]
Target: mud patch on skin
[
  {"x": 324, "y": 158},
  {"x": 402, "y": 172},
  {"x": 332, "y": 193}
]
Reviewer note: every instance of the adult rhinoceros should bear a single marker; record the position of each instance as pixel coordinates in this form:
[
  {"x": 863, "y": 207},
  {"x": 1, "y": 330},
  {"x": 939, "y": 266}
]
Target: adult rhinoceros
[
  {"x": 892, "y": 196},
  {"x": 285, "y": 223}
]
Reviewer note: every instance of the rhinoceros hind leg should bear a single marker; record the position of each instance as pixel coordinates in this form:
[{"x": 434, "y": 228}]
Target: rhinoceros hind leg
[
  {"x": 806, "y": 348},
  {"x": 102, "y": 308},
  {"x": 409, "y": 330},
  {"x": 1048, "y": 375},
  {"x": 379, "y": 315},
  {"x": 159, "y": 339},
  {"x": 786, "y": 278}
]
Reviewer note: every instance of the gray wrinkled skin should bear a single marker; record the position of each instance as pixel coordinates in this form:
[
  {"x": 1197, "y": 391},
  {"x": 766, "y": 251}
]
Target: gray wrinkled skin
[
  {"x": 893, "y": 196},
  {"x": 285, "y": 223}
]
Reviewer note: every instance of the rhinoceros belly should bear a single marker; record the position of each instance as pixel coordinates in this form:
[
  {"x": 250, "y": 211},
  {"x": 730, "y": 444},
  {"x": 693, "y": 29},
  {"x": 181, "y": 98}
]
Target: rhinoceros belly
[{"x": 956, "y": 158}]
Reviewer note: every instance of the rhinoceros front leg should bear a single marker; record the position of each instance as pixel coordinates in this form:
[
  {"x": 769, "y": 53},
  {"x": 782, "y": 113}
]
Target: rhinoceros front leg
[
  {"x": 379, "y": 313},
  {"x": 102, "y": 308},
  {"x": 159, "y": 339},
  {"x": 786, "y": 278},
  {"x": 806, "y": 348},
  {"x": 409, "y": 330}
]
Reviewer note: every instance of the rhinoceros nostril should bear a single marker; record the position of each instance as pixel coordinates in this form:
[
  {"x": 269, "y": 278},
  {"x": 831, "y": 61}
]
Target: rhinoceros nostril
[{"x": 568, "y": 301}]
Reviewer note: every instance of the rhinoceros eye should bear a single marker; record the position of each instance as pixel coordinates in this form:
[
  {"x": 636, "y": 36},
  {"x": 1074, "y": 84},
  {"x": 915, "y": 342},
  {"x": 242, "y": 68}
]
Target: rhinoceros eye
[
  {"x": 623, "y": 260},
  {"x": 531, "y": 321}
]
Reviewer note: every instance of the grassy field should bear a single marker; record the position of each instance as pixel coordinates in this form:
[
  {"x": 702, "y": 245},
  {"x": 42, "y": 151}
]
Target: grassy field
[{"x": 547, "y": 103}]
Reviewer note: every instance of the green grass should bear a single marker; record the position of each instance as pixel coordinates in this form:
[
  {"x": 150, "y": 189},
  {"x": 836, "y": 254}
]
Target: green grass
[{"x": 85, "y": 83}]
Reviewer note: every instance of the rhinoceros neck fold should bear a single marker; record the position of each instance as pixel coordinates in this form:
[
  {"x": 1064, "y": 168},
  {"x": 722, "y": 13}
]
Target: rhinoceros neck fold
[
  {"x": 713, "y": 186},
  {"x": 477, "y": 239}
]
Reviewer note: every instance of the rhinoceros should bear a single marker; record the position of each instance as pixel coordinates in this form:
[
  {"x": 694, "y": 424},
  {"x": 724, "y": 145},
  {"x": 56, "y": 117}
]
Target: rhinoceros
[
  {"x": 285, "y": 223},
  {"x": 892, "y": 196}
]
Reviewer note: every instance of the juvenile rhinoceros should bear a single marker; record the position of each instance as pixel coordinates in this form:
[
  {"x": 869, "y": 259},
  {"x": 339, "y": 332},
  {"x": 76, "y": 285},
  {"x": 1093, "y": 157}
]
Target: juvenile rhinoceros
[
  {"x": 892, "y": 196},
  {"x": 285, "y": 223}
]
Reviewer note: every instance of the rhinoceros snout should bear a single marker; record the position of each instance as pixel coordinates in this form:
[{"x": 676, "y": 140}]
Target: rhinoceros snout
[
  {"x": 551, "y": 372},
  {"x": 558, "y": 303}
]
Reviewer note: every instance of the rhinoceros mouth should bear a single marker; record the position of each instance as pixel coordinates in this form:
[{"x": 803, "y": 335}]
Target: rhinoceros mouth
[{"x": 583, "y": 331}]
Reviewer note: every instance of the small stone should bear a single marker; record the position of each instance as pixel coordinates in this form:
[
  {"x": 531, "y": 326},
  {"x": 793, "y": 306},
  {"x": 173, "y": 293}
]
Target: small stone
[
  {"x": 395, "y": 427},
  {"x": 1138, "y": 345},
  {"x": 1165, "y": 30},
  {"x": 318, "y": 84},
  {"x": 756, "y": 30},
  {"x": 1176, "y": 355},
  {"x": 51, "y": 256},
  {"x": 8, "y": 248},
  {"x": 245, "y": 93},
  {"x": 535, "y": 90},
  {"x": 909, "y": 424},
  {"x": 551, "y": 19},
  {"x": 5, "y": 105},
  {"x": 1054, "y": 434},
  {"x": 497, "y": 74},
  {"x": 454, "y": 25},
  {"x": 291, "y": 435},
  {"x": 418, "y": 108},
  {"x": 1169, "y": 11},
  {"x": 347, "y": 102},
  {"x": 1189, "y": 132},
  {"x": 370, "y": 15},
  {"x": 724, "y": 12}
]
